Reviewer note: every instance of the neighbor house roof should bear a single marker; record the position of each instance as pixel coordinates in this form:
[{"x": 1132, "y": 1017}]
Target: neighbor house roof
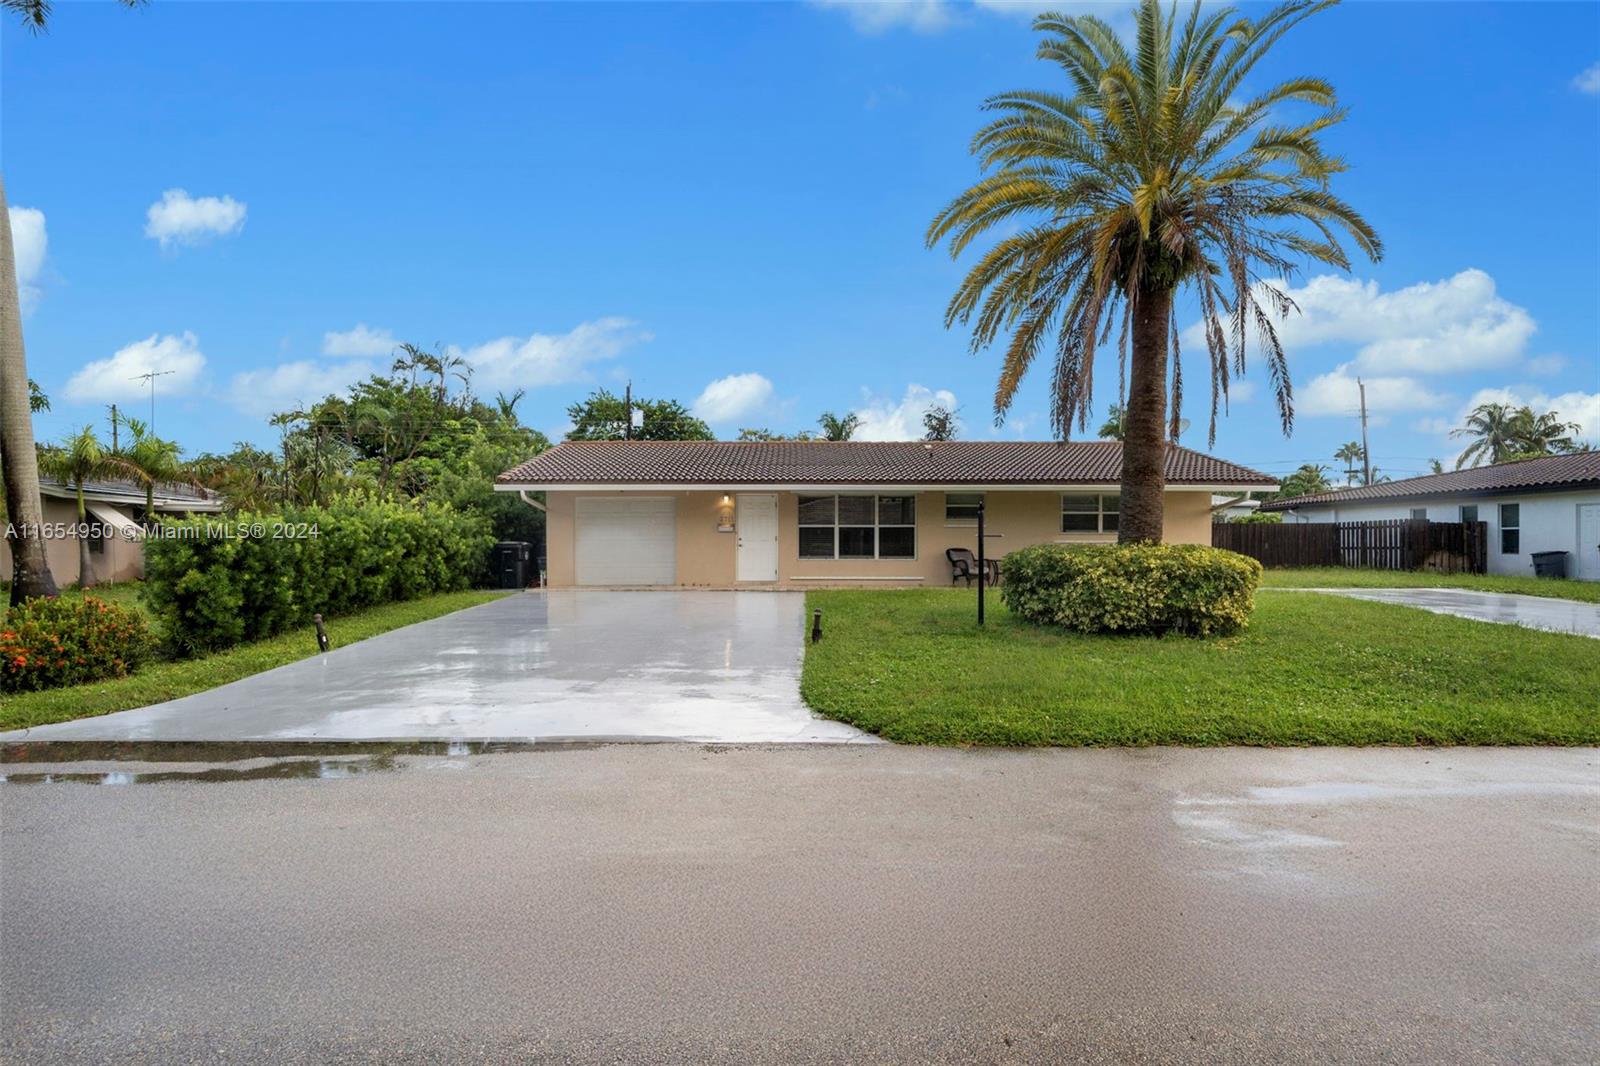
[
  {"x": 1553, "y": 473},
  {"x": 169, "y": 496},
  {"x": 714, "y": 464}
]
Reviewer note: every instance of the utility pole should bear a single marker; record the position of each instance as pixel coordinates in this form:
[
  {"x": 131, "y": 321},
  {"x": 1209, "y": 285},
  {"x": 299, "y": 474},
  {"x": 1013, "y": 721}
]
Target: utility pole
[
  {"x": 627, "y": 412},
  {"x": 151, "y": 378},
  {"x": 1366, "y": 453},
  {"x": 114, "y": 421}
]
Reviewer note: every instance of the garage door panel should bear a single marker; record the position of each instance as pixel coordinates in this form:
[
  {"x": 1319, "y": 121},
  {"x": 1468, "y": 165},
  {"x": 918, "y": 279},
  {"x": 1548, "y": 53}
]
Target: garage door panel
[{"x": 624, "y": 541}]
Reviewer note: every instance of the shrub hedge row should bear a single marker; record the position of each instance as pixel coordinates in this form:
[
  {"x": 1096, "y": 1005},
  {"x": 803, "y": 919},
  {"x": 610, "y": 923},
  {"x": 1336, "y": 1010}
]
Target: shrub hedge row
[
  {"x": 219, "y": 581},
  {"x": 1132, "y": 588},
  {"x": 45, "y": 643}
]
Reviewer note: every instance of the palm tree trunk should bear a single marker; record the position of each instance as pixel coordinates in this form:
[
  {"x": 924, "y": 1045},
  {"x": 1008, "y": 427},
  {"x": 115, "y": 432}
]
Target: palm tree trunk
[
  {"x": 30, "y": 572},
  {"x": 1144, "y": 451},
  {"x": 85, "y": 560}
]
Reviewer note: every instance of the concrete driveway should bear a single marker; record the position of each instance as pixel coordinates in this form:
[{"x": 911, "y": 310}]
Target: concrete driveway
[
  {"x": 1532, "y": 612},
  {"x": 671, "y": 665}
]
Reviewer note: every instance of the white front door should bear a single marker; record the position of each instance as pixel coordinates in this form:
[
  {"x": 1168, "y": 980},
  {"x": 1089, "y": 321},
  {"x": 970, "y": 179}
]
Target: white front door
[
  {"x": 1589, "y": 541},
  {"x": 757, "y": 525}
]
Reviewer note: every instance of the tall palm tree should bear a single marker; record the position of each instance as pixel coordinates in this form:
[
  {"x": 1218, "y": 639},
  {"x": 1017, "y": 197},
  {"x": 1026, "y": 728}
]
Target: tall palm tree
[
  {"x": 1544, "y": 434},
  {"x": 82, "y": 458},
  {"x": 1492, "y": 430},
  {"x": 30, "y": 569},
  {"x": 35, "y": 14},
  {"x": 1350, "y": 454},
  {"x": 1150, "y": 174},
  {"x": 836, "y": 428}
]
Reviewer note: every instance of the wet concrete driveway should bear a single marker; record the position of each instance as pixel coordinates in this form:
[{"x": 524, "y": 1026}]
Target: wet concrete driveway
[
  {"x": 1534, "y": 612},
  {"x": 674, "y": 665},
  {"x": 653, "y": 903}
]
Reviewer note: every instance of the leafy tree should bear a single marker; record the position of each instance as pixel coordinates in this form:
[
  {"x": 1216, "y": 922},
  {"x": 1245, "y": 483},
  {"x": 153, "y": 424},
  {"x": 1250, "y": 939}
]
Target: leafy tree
[
  {"x": 1111, "y": 428},
  {"x": 764, "y": 434},
  {"x": 37, "y": 400},
  {"x": 940, "y": 423},
  {"x": 79, "y": 459},
  {"x": 1153, "y": 171},
  {"x": 603, "y": 415},
  {"x": 1309, "y": 480},
  {"x": 838, "y": 429}
]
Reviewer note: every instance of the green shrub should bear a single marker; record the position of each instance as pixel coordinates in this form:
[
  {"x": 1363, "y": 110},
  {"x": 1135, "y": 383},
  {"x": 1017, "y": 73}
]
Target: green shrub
[
  {"x": 213, "y": 588},
  {"x": 1132, "y": 588},
  {"x": 47, "y": 643}
]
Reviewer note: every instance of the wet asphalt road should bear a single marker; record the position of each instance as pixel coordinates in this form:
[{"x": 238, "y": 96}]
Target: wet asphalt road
[{"x": 675, "y": 903}]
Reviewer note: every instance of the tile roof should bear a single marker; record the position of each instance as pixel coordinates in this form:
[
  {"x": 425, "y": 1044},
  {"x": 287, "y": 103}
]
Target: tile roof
[
  {"x": 859, "y": 462},
  {"x": 1549, "y": 474}
]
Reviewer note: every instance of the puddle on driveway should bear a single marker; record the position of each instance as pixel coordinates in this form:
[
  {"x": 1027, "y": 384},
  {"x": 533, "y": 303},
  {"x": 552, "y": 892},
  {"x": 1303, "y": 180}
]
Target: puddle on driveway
[{"x": 285, "y": 769}]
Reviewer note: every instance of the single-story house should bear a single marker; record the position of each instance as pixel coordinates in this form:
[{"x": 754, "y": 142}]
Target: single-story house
[
  {"x": 116, "y": 509},
  {"x": 792, "y": 514},
  {"x": 1531, "y": 505}
]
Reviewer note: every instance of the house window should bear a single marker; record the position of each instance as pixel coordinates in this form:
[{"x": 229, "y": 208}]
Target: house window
[
  {"x": 1088, "y": 514},
  {"x": 1469, "y": 512},
  {"x": 1510, "y": 529},
  {"x": 1419, "y": 514},
  {"x": 858, "y": 527},
  {"x": 961, "y": 508}
]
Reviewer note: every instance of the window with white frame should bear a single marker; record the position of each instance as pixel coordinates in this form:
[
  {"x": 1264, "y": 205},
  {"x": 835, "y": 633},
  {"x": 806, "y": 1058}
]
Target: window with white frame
[
  {"x": 1088, "y": 513},
  {"x": 961, "y": 508},
  {"x": 1469, "y": 512},
  {"x": 1419, "y": 514},
  {"x": 858, "y": 527},
  {"x": 1510, "y": 529}
]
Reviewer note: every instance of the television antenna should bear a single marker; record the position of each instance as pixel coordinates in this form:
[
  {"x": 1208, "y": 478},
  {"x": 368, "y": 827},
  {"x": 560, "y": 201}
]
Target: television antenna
[{"x": 151, "y": 378}]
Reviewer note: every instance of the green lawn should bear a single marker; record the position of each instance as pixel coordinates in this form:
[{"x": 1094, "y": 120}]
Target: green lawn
[
  {"x": 912, "y": 666},
  {"x": 1328, "y": 577},
  {"x": 168, "y": 680}
]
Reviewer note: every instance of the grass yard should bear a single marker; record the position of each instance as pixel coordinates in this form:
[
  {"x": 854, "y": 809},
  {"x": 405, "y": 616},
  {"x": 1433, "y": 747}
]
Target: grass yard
[
  {"x": 912, "y": 666},
  {"x": 1328, "y": 577},
  {"x": 167, "y": 680}
]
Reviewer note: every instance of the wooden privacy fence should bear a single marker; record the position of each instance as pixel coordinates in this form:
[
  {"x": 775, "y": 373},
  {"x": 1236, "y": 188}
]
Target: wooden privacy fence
[{"x": 1390, "y": 544}]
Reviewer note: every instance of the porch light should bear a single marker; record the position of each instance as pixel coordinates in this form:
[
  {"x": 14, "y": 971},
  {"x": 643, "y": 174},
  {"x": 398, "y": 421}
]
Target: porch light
[{"x": 725, "y": 514}]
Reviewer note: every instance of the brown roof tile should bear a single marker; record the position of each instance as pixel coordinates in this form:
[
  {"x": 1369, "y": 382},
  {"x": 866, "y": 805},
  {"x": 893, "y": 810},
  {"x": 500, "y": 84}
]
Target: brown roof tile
[
  {"x": 859, "y": 462},
  {"x": 1549, "y": 474}
]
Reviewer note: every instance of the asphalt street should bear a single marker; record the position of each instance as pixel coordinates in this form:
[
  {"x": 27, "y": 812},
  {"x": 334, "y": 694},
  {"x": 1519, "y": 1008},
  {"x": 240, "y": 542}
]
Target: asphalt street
[{"x": 682, "y": 903}]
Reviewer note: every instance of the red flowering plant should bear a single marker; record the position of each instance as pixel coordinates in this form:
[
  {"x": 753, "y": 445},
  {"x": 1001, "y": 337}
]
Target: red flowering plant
[{"x": 46, "y": 643}]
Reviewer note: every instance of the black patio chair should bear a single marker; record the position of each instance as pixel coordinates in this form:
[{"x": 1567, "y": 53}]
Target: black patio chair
[{"x": 964, "y": 566}]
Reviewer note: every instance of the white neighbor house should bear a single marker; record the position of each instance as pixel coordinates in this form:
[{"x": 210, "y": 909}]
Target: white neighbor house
[{"x": 1532, "y": 505}]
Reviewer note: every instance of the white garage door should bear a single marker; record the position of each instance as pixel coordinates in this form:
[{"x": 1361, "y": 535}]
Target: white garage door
[{"x": 625, "y": 541}]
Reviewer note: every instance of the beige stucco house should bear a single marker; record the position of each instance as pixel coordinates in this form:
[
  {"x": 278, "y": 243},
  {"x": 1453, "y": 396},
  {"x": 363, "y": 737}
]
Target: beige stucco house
[
  {"x": 792, "y": 514},
  {"x": 115, "y": 508}
]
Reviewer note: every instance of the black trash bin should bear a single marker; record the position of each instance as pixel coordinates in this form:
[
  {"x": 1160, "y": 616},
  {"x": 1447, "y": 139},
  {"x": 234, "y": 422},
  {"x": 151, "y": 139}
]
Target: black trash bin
[
  {"x": 1550, "y": 564},
  {"x": 512, "y": 559}
]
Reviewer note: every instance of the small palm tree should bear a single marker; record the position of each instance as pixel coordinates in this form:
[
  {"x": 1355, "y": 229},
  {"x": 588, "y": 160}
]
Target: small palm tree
[
  {"x": 81, "y": 458},
  {"x": 1492, "y": 431},
  {"x": 1116, "y": 418},
  {"x": 1351, "y": 455},
  {"x": 1544, "y": 434},
  {"x": 1151, "y": 173},
  {"x": 150, "y": 460},
  {"x": 836, "y": 428}
]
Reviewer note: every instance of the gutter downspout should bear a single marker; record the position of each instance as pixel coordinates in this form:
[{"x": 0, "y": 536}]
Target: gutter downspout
[{"x": 531, "y": 502}]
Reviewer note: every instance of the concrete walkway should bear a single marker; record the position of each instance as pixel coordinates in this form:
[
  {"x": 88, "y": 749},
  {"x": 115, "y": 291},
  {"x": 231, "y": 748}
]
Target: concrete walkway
[
  {"x": 704, "y": 666},
  {"x": 1534, "y": 612},
  {"x": 652, "y": 903}
]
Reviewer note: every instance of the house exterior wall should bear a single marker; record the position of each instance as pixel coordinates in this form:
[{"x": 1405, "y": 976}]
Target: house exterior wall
[
  {"x": 120, "y": 560},
  {"x": 707, "y": 557},
  {"x": 1549, "y": 522}
]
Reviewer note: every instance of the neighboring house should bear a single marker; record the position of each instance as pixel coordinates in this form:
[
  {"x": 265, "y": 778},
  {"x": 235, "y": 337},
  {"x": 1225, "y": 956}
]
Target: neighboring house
[
  {"x": 1225, "y": 507},
  {"x": 797, "y": 514},
  {"x": 1532, "y": 505},
  {"x": 116, "y": 508}
]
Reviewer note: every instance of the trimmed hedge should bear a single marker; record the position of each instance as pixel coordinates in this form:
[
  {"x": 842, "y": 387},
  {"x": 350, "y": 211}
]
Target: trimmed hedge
[
  {"x": 1132, "y": 588},
  {"x": 220, "y": 581},
  {"x": 47, "y": 643}
]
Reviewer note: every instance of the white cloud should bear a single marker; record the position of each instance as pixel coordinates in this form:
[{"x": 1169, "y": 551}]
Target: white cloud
[
  {"x": 28, "y": 245},
  {"x": 550, "y": 358},
  {"x": 1338, "y": 393},
  {"x": 884, "y": 419},
  {"x": 1588, "y": 81},
  {"x": 1546, "y": 366},
  {"x": 178, "y": 359},
  {"x": 877, "y": 16},
  {"x": 291, "y": 386},
  {"x": 735, "y": 396},
  {"x": 1575, "y": 406},
  {"x": 178, "y": 218},
  {"x": 1457, "y": 324},
  {"x": 358, "y": 343}
]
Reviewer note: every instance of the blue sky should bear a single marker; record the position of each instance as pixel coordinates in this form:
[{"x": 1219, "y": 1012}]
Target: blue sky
[{"x": 725, "y": 203}]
